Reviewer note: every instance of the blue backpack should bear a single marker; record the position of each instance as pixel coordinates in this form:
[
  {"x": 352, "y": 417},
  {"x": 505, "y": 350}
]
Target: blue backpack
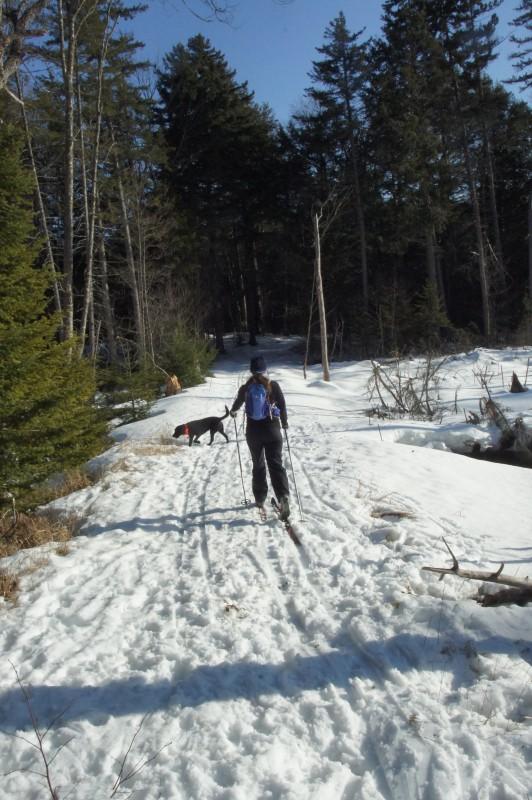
[{"x": 258, "y": 405}]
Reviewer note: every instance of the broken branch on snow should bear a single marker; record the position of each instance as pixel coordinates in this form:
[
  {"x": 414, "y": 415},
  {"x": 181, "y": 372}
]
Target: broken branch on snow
[{"x": 520, "y": 593}]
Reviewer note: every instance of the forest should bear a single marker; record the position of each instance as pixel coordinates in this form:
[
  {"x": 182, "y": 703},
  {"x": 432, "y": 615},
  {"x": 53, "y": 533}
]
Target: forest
[{"x": 147, "y": 213}]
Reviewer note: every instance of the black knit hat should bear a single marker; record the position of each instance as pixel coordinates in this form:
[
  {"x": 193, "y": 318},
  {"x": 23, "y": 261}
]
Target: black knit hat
[{"x": 257, "y": 365}]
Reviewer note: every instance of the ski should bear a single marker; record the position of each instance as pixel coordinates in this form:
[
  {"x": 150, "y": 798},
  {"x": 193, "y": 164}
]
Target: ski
[{"x": 287, "y": 524}]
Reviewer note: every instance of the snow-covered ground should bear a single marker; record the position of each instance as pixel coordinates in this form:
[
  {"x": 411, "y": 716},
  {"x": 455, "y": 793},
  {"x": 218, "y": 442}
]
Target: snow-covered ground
[{"x": 183, "y": 629}]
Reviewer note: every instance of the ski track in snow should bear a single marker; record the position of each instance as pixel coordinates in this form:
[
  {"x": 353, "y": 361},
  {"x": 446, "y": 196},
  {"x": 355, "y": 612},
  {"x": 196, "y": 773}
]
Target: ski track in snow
[{"x": 182, "y": 625}]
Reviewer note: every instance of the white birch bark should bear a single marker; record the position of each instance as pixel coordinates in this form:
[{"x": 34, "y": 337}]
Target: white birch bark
[
  {"x": 316, "y": 217},
  {"x": 40, "y": 201},
  {"x": 132, "y": 268},
  {"x": 90, "y": 203}
]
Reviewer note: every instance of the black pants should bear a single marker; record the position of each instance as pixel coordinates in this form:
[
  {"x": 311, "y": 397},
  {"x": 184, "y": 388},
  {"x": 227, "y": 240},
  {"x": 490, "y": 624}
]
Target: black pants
[{"x": 265, "y": 440}]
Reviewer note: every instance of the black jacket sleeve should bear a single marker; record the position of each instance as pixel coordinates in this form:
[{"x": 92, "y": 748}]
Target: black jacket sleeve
[
  {"x": 278, "y": 398},
  {"x": 239, "y": 399}
]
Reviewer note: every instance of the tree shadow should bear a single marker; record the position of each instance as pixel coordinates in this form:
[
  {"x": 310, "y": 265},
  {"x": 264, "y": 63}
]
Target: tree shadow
[
  {"x": 174, "y": 522},
  {"x": 228, "y": 681}
]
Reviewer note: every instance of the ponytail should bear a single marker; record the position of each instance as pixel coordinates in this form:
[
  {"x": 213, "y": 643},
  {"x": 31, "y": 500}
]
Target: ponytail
[{"x": 259, "y": 378}]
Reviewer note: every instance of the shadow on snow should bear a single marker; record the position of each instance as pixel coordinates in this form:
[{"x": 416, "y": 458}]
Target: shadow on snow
[{"x": 225, "y": 682}]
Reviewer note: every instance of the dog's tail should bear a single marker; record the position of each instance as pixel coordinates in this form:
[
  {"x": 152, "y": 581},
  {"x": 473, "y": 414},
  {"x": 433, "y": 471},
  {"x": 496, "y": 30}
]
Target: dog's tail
[{"x": 226, "y": 413}]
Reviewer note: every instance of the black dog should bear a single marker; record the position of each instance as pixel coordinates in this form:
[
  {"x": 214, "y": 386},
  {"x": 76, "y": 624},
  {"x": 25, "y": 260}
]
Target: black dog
[{"x": 198, "y": 427}]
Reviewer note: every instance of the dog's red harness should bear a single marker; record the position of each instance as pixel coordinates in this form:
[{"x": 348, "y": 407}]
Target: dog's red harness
[{"x": 186, "y": 431}]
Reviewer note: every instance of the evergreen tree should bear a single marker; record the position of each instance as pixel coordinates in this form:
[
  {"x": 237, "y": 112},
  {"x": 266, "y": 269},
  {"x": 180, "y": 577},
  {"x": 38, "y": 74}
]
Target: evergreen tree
[
  {"x": 220, "y": 156},
  {"x": 339, "y": 78},
  {"x": 47, "y": 421},
  {"x": 468, "y": 42},
  {"x": 522, "y": 56},
  {"x": 407, "y": 102},
  {"x": 513, "y": 161}
]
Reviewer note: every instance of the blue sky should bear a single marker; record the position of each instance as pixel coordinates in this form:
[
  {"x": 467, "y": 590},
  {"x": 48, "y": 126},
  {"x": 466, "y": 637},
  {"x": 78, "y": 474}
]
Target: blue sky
[{"x": 271, "y": 43}]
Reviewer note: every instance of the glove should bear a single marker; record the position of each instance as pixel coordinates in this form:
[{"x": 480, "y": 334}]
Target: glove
[
  {"x": 233, "y": 414},
  {"x": 285, "y": 426}
]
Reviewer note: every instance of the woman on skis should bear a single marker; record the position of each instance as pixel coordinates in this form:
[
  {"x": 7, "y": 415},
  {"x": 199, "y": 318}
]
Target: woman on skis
[{"x": 265, "y": 408}]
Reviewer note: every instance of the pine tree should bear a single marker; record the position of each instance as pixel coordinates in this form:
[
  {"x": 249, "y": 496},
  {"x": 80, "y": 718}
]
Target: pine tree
[
  {"x": 429, "y": 317},
  {"x": 338, "y": 81},
  {"x": 522, "y": 56},
  {"x": 468, "y": 41},
  {"x": 220, "y": 152},
  {"x": 407, "y": 104},
  {"x": 47, "y": 422}
]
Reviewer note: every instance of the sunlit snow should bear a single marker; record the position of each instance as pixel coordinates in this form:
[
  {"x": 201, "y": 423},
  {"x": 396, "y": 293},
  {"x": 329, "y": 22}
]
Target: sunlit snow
[{"x": 243, "y": 668}]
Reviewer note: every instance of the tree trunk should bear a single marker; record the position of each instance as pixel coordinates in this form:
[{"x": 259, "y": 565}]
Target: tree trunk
[
  {"x": 242, "y": 303},
  {"x": 431, "y": 255},
  {"x": 316, "y": 216},
  {"x": 143, "y": 275},
  {"x": 218, "y": 309},
  {"x": 238, "y": 290},
  {"x": 40, "y": 203},
  {"x": 477, "y": 220},
  {"x": 361, "y": 223},
  {"x": 441, "y": 285},
  {"x": 106, "y": 299},
  {"x": 530, "y": 246},
  {"x": 90, "y": 208},
  {"x": 88, "y": 289},
  {"x": 486, "y": 141},
  {"x": 493, "y": 204},
  {"x": 68, "y": 58},
  {"x": 482, "y": 263},
  {"x": 132, "y": 270},
  {"x": 309, "y": 326},
  {"x": 258, "y": 291},
  {"x": 250, "y": 283}
]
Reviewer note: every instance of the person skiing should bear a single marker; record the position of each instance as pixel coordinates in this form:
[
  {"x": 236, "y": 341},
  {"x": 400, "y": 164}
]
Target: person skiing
[{"x": 265, "y": 406}]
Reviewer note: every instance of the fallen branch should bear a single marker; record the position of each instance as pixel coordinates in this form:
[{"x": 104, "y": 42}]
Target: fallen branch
[
  {"x": 521, "y": 592},
  {"x": 411, "y": 394}
]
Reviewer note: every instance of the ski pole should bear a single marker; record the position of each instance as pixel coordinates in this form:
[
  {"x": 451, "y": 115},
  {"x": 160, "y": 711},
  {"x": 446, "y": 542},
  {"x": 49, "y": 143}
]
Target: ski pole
[
  {"x": 293, "y": 473},
  {"x": 240, "y": 462}
]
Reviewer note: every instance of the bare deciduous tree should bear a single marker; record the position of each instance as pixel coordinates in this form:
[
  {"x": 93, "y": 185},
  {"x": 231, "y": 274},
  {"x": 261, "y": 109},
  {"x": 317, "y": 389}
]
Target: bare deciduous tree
[
  {"x": 91, "y": 191},
  {"x": 323, "y": 215}
]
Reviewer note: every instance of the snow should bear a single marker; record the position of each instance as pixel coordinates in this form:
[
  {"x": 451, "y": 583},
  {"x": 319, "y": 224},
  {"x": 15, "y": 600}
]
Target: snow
[{"x": 183, "y": 629}]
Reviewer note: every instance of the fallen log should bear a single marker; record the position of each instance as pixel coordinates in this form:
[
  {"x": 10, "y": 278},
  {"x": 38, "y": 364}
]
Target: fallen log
[{"x": 520, "y": 593}]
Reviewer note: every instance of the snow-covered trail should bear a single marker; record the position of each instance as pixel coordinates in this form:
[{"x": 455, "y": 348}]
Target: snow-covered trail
[{"x": 259, "y": 670}]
